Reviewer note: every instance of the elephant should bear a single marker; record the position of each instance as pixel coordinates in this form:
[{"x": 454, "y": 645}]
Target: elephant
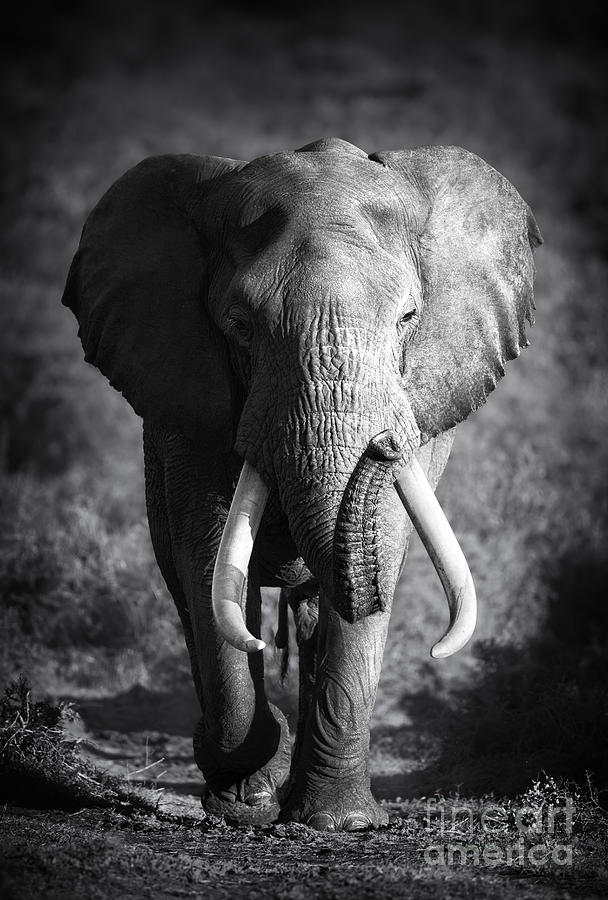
[{"x": 301, "y": 334}]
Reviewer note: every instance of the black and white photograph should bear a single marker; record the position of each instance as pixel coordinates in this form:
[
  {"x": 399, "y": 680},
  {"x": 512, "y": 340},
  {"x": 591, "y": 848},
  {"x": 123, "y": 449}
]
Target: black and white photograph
[{"x": 304, "y": 450}]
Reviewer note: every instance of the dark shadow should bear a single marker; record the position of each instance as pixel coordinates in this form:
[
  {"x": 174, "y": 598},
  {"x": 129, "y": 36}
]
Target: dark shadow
[
  {"x": 538, "y": 707},
  {"x": 402, "y": 785},
  {"x": 184, "y": 788},
  {"x": 141, "y": 709}
]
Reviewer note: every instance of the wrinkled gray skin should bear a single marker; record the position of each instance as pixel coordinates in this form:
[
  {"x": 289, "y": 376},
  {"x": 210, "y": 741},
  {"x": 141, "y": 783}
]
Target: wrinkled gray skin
[{"x": 286, "y": 312}]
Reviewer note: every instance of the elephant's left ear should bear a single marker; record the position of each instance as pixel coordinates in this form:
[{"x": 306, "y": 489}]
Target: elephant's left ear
[
  {"x": 476, "y": 237},
  {"x": 138, "y": 287}
]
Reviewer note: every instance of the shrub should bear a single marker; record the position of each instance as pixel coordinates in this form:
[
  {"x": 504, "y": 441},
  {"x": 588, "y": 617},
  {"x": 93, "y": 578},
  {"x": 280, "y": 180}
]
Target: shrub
[{"x": 40, "y": 766}]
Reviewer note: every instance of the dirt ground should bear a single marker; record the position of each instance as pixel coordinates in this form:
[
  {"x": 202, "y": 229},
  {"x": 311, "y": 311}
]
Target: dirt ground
[
  {"x": 178, "y": 851},
  {"x": 103, "y": 855}
]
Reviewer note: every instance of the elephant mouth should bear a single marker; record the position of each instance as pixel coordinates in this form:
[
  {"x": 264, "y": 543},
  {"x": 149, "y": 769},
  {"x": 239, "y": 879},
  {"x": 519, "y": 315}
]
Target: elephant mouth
[{"x": 380, "y": 466}]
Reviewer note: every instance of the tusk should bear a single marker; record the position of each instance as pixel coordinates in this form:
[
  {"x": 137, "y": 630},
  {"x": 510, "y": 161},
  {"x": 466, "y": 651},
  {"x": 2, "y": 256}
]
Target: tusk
[
  {"x": 230, "y": 572},
  {"x": 441, "y": 544}
]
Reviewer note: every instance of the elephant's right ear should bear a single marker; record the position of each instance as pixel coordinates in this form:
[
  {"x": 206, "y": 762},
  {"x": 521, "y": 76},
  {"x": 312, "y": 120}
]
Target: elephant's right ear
[
  {"x": 137, "y": 286},
  {"x": 475, "y": 241}
]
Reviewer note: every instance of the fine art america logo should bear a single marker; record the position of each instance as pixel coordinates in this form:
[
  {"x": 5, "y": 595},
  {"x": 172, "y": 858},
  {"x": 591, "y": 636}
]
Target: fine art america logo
[{"x": 494, "y": 835}]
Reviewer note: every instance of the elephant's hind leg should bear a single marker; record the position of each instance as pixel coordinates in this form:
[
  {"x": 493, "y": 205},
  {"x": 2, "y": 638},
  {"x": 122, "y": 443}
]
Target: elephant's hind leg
[{"x": 304, "y": 603}]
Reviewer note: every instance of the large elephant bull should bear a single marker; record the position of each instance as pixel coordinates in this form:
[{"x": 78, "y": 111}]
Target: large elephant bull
[{"x": 311, "y": 325}]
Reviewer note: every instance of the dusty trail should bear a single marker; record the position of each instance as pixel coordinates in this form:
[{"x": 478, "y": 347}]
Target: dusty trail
[
  {"x": 104, "y": 855},
  {"x": 178, "y": 851}
]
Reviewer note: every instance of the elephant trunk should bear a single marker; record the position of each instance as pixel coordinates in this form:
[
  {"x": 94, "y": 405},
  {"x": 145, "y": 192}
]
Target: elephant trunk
[
  {"x": 360, "y": 566},
  {"x": 362, "y": 560}
]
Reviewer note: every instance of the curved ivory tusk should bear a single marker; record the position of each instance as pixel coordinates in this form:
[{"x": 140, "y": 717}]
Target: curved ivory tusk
[
  {"x": 230, "y": 572},
  {"x": 442, "y": 546}
]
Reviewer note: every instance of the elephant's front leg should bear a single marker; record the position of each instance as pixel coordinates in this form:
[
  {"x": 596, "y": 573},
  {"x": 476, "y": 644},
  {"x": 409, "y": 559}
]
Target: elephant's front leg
[
  {"x": 331, "y": 785},
  {"x": 241, "y": 744}
]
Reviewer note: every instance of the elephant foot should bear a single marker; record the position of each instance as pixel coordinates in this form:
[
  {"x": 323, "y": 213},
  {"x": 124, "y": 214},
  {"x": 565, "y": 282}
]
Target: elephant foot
[
  {"x": 246, "y": 797},
  {"x": 335, "y": 808},
  {"x": 251, "y": 801}
]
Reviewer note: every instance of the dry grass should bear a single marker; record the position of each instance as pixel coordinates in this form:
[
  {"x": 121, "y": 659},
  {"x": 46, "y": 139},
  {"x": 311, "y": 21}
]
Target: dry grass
[
  {"x": 40, "y": 765},
  {"x": 83, "y": 604}
]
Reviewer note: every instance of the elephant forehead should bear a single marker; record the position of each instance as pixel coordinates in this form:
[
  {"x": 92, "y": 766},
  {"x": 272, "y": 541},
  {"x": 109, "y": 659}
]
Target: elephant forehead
[{"x": 308, "y": 189}]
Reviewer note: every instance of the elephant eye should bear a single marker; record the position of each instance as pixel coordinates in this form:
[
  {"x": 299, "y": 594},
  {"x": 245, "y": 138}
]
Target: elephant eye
[
  {"x": 240, "y": 328},
  {"x": 408, "y": 321}
]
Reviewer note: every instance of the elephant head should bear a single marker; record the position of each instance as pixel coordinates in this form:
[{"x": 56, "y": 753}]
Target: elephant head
[{"x": 322, "y": 313}]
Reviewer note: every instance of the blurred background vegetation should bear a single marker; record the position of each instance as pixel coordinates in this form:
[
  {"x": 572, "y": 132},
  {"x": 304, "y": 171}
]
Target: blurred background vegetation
[{"x": 87, "y": 92}]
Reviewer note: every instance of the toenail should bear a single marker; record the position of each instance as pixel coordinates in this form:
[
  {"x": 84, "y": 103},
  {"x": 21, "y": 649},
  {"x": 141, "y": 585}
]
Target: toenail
[
  {"x": 356, "y": 822},
  {"x": 321, "y": 822},
  {"x": 258, "y": 798}
]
